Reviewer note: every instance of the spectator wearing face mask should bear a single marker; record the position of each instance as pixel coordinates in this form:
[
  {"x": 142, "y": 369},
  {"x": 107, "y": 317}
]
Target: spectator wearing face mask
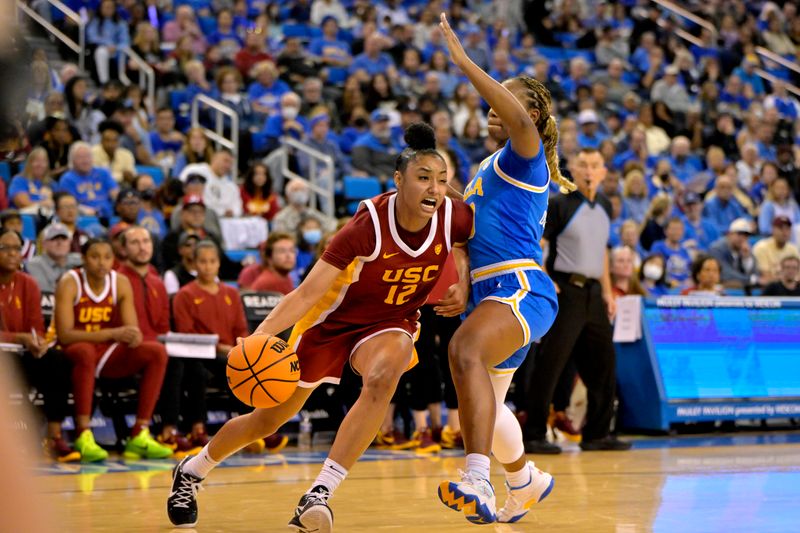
[
  {"x": 150, "y": 216},
  {"x": 375, "y": 152},
  {"x": 297, "y": 209},
  {"x": 678, "y": 259},
  {"x": 309, "y": 233},
  {"x": 281, "y": 255},
  {"x": 653, "y": 276},
  {"x": 287, "y": 122}
]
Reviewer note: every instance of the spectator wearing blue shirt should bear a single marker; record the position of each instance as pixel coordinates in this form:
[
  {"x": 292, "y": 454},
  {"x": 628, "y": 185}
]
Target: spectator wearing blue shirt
[
  {"x": 330, "y": 51},
  {"x": 229, "y": 86},
  {"x": 375, "y": 153},
  {"x": 319, "y": 139},
  {"x": 635, "y": 201},
  {"x": 27, "y": 191},
  {"x": 786, "y": 104},
  {"x": 435, "y": 44},
  {"x": 359, "y": 125},
  {"x": 373, "y": 60},
  {"x": 108, "y": 34},
  {"x": 578, "y": 77},
  {"x": 150, "y": 216},
  {"x": 723, "y": 208},
  {"x": 287, "y": 122},
  {"x": 265, "y": 93},
  {"x": 684, "y": 164},
  {"x": 166, "y": 141},
  {"x": 640, "y": 57},
  {"x": 636, "y": 152},
  {"x": 746, "y": 72},
  {"x": 779, "y": 203},
  {"x": 443, "y": 130},
  {"x": 503, "y": 66},
  {"x": 225, "y": 38},
  {"x": 93, "y": 187},
  {"x": 678, "y": 259},
  {"x": 615, "y": 233},
  {"x": 476, "y": 48},
  {"x": 589, "y": 136},
  {"x": 700, "y": 232},
  {"x": 198, "y": 83}
]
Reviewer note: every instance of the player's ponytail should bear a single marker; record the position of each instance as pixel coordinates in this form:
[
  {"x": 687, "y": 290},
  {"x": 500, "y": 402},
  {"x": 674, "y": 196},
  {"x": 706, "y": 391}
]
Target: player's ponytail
[
  {"x": 421, "y": 141},
  {"x": 549, "y": 137},
  {"x": 539, "y": 98}
]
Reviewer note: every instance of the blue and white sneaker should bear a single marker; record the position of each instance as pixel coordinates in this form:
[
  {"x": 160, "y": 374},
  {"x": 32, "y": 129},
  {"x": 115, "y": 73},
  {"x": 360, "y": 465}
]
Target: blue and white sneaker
[
  {"x": 473, "y": 495},
  {"x": 521, "y": 499}
]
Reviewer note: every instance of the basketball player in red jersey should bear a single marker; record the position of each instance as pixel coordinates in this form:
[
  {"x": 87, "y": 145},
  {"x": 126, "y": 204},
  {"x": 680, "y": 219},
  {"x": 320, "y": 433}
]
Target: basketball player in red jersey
[
  {"x": 359, "y": 304},
  {"x": 96, "y": 323}
]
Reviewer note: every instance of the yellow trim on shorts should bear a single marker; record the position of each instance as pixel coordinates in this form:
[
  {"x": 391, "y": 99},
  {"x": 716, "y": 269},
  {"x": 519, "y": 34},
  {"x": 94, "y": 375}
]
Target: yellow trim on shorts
[
  {"x": 513, "y": 302},
  {"x": 503, "y": 267}
]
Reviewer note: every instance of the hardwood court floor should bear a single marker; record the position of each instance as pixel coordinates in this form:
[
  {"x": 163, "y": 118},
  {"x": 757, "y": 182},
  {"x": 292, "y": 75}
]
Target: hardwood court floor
[{"x": 753, "y": 488}]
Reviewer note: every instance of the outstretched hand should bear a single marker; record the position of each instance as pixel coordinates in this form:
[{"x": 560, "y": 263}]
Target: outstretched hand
[{"x": 457, "y": 53}]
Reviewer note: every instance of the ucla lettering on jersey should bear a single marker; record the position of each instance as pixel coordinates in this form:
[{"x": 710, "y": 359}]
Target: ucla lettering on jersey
[{"x": 509, "y": 197}]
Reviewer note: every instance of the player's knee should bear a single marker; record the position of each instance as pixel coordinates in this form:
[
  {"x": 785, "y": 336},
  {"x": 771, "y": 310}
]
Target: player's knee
[
  {"x": 462, "y": 355},
  {"x": 382, "y": 378}
]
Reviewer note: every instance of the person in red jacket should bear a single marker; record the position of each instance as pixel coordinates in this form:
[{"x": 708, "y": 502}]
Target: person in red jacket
[
  {"x": 152, "y": 308},
  {"x": 21, "y": 322},
  {"x": 207, "y": 306}
]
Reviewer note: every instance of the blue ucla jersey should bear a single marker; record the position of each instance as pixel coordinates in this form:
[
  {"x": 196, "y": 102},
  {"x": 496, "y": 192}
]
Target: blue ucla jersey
[{"x": 509, "y": 197}]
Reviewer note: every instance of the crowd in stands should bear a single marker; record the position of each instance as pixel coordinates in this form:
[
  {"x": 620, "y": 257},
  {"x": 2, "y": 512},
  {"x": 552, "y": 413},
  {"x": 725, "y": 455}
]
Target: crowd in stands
[{"x": 702, "y": 152}]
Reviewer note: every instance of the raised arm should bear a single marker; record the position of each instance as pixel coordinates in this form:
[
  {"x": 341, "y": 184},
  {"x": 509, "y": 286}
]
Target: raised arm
[{"x": 521, "y": 129}]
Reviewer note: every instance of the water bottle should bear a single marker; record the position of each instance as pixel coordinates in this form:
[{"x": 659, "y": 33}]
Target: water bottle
[{"x": 304, "y": 438}]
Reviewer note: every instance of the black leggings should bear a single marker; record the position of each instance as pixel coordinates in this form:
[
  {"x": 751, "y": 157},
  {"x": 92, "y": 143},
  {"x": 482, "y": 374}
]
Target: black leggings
[
  {"x": 183, "y": 394},
  {"x": 430, "y": 381},
  {"x": 50, "y": 374}
]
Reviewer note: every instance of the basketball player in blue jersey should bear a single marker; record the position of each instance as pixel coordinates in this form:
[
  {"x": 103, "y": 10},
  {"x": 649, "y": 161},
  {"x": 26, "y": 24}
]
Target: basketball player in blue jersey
[{"x": 513, "y": 301}]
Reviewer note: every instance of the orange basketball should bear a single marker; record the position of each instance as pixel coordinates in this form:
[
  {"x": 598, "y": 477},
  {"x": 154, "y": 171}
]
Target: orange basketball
[{"x": 262, "y": 371}]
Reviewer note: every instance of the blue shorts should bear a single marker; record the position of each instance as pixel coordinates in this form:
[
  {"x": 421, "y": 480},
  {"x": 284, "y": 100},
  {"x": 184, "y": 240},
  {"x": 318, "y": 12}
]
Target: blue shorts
[{"x": 532, "y": 298}]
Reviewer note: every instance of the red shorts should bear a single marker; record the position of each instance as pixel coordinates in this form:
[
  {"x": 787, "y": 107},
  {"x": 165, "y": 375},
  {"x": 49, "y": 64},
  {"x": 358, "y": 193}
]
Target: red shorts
[{"x": 324, "y": 349}]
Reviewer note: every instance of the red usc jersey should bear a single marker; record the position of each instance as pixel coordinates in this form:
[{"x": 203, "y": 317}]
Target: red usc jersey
[
  {"x": 387, "y": 272},
  {"x": 94, "y": 312}
]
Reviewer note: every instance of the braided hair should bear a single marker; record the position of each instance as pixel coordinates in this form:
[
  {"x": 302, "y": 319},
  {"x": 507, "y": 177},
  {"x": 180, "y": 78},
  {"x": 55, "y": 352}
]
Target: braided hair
[{"x": 538, "y": 97}]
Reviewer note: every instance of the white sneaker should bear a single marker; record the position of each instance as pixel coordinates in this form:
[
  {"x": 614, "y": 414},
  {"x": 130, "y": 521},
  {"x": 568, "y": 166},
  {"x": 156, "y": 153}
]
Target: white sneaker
[
  {"x": 520, "y": 499},
  {"x": 473, "y": 495}
]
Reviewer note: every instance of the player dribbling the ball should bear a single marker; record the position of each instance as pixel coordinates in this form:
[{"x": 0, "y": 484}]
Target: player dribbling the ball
[{"x": 359, "y": 304}]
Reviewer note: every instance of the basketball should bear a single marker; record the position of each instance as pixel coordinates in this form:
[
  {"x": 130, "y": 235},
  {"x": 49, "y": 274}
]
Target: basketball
[{"x": 262, "y": 371}]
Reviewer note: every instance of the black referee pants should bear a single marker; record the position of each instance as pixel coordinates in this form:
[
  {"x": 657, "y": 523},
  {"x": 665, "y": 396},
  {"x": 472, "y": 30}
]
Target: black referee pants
[{"x": 581, "y": 332}]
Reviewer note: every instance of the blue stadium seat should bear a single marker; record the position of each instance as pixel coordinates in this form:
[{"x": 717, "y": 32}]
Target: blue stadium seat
[
  {"x": 87, "y": 223},
  {"x": 155, "y": 172},
  {"x": 5, "y": 171},
  {"x": 29, "y": 227},
  {"x": 337, "y": 75},
  {"x": 357, "y": 189},
  {"x": 207, "y": 24},
  {"x": 238, "y": 255},
  {"x": 296, "y": 30}
]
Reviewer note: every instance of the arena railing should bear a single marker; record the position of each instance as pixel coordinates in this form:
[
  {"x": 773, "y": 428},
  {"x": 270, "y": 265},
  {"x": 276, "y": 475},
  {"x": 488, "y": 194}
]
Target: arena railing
[
  {"x": 321, "y": 185},
  {"x": 147, "y": 76},
  {"x": 760, "y": 50},
  {"x": 221, "y": 111},
  {"x": 77, "y": 47}
]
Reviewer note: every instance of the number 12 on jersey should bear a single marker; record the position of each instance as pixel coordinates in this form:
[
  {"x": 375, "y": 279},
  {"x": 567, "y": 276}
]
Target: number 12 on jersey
[{"x": 410, "y": 278}]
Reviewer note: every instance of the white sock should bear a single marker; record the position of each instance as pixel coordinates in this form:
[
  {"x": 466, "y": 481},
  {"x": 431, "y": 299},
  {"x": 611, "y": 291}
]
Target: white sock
[
  {"x": 330, "y": 476},
  {"x": 201, "y": 464},
  {"x": 478, "y": 464},
  {"x": 517, "y": 480}
]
